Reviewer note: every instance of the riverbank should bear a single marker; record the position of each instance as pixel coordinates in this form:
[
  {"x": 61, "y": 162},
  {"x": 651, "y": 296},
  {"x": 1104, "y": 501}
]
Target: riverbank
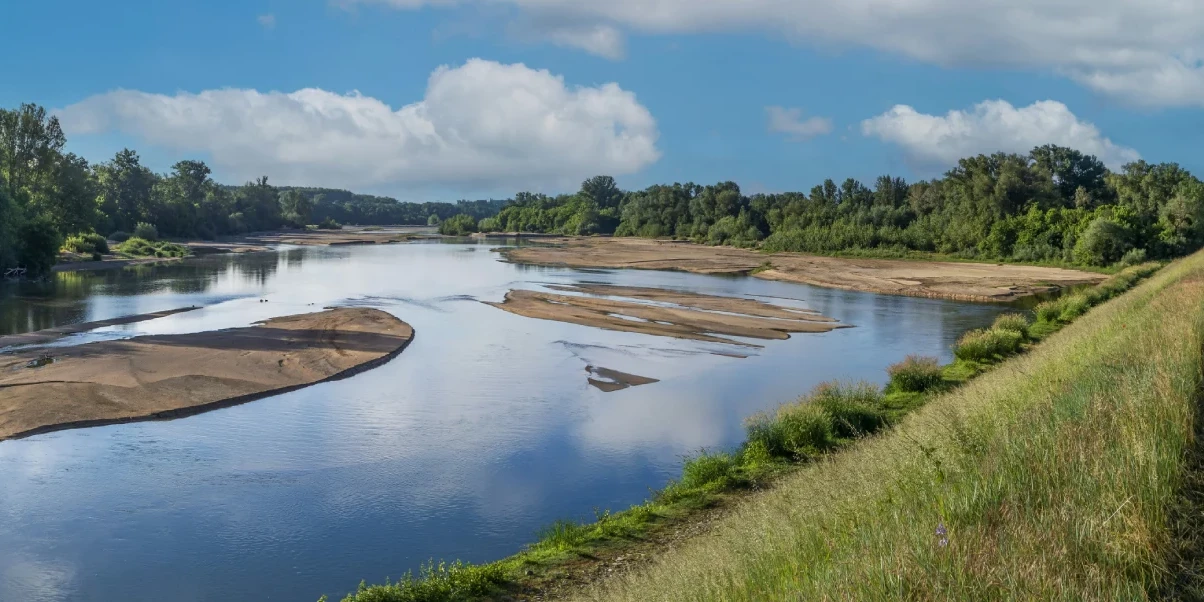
[
  {"x": 169, "y": 376},
  {"x": 809, "y": 478},
  {"x": 937, "y": 279}
]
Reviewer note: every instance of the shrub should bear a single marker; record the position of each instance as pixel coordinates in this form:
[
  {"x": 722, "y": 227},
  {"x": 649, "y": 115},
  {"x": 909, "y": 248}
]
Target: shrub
[
  {"x": 1013, "y": 322},
  {"x": 441, "y": 583},
  {"x": 915, "y": 374},
  {"x": 987, "y": 345},
  {"x": 1048, "y": 311},
  {"x": 330, "y": 224},
  {"x": 139, "y": 247},
  {"x": 855, "y": 408},
  {"x": 119, "y": 236},
  {"x": 1133, "y": 257},
  {"x": 707, "y": 469},
  {"x": 146, "y": 231},
  {"x": 1074, "y": 306},
  {"x": 458, "y": 226},
  {"x": 1102, "y": 243},
  {"x": 86, "y": 243},
  {"x": 38, "y": 245},
  {"x": 798, "y": 430}
]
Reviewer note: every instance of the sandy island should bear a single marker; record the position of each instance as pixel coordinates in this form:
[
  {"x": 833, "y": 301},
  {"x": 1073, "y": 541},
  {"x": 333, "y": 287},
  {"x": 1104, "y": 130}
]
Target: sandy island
[
  {"x": 939, "y": 279},
  {"x": 691, "y": 316},
  {"x": 170, "y": 376}
]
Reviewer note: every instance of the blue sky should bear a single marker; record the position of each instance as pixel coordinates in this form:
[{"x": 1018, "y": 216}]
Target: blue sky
[{"x": 668, "y": 90}]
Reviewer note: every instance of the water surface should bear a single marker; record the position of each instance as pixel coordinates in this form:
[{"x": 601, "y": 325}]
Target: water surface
[{"x": 481, "y": 432}]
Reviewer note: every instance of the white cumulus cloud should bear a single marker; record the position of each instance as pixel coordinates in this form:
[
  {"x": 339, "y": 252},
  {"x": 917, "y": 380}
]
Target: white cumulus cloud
[
  {"x": 991, "y": 126},
  {"x": 482, "y": 125},
  {"x": 1146, "y": 52},
  {"x": 787, "y": 121}
]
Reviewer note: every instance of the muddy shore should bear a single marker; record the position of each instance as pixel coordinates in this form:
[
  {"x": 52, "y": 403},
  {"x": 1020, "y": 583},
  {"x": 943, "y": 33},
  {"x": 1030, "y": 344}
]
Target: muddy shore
[
  {"x": 170, "y": 376},
  {"x": 937, "y": 279}
]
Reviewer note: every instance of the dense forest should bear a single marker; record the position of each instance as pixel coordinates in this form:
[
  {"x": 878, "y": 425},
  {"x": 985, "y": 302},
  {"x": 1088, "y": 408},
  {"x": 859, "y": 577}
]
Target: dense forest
[
  {"x": 52, "y": 199},
  {"x": 1054, "y": 205}
]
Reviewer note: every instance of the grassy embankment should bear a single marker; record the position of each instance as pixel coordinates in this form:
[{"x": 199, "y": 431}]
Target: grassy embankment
[{"x": 1051, "y": 476}]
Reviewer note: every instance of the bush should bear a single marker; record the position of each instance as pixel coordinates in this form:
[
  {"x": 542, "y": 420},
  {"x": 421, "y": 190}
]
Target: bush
[
  {"x": 1074, "y": 306},
  {"x": 146, "y": 231},
  {"x": 1013, "y": 322},
  {"x": 708, "y": 470},
  {"x": 855, "y": 409},
  {"x": 119, "y": 236},
  {"x": 329, "y": 224},
  {"x": 86, "y": 243},
  {"x": 1048, "y": 311},
  {"x": 799, "y": 430},
  {"x": 1104, "y": 242},
  {"x": 1133, "y": 257},
  {"x": 459, "y": 225},
  {"x": 987, "y": 345},
  {"x": 139, "y": 247},
  {"x": 915, "y": 374},
  {"x": 441, "y": 583},
  {"x": 38, "y": 245}
]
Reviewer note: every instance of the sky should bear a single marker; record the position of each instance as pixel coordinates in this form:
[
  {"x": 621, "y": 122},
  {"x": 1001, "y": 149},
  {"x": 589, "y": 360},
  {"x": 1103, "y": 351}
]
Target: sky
[{"x": 448, "y": 99}]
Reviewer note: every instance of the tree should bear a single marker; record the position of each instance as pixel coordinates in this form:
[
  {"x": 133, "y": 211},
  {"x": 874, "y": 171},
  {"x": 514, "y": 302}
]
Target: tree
[
  {"x": 1070, "y": 170},
  {"x": 30, "y": 140},
  {"x": 1104, "y": 242},
  {"x": 295, "y": 208},
  {"x": 38, "y": 243},
  {"x": 124, "y": 191},
  {"x": 70, "y": 200}
]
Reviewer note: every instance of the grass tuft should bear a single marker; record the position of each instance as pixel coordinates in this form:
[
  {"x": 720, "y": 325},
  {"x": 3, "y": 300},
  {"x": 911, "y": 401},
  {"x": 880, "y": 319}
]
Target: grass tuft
[{"x": 915, "y": 374}]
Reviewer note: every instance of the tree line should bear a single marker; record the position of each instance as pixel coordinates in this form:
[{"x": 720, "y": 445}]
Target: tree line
[
  {"x": 1053, "y": 205},
  {"x": 49, "y": 197}
]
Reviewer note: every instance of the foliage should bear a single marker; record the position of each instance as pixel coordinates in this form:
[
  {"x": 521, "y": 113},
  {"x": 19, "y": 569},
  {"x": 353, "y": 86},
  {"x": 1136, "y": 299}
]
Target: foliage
[
  {"x": 454, "y": 582},
  {"x": 460, "y": 225},
  {"x": 140, "y": 247},
  {"x": 1013, "y": 322},
  {"x": 119, "y": 236},
  {"x": 987, "y": 345},
  {"x": 38, "y": 244},
  {"x": 86, "y": 243},
  {"x": 915, "y": 374},
  {"x": 145, "y": 231},
  {"x": 329, "y": 224}
]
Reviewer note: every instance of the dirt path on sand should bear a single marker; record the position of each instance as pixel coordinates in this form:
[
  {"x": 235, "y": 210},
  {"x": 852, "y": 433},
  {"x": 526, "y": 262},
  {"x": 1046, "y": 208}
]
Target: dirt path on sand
[
  {"x": 941, "y": 279},
  {"x": 169, "y": 376}
]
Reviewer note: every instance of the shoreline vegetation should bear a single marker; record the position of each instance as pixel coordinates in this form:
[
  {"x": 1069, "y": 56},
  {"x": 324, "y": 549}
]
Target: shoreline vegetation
[
  {"x": 156, "y": 377},
  {"x": 896, "y": 492}
]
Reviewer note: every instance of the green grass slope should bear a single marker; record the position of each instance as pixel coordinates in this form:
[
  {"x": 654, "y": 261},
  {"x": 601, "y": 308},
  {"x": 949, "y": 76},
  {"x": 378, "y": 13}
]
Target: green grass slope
[{"x": 1060, "y": 474}]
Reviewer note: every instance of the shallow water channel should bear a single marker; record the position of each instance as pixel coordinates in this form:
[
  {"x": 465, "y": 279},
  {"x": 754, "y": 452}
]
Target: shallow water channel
[{"x": 484, "y": 430}]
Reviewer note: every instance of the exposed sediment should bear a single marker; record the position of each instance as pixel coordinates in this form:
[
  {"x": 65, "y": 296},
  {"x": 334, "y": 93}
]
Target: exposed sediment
[
  {"x": 938, "y": 279},
  {"x": 697, "y": 317},
  {"x": 170, "y": 376}
]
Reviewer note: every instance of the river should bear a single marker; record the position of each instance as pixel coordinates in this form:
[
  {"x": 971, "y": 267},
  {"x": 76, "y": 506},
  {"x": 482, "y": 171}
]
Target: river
[{"x": 480, "y": 433}]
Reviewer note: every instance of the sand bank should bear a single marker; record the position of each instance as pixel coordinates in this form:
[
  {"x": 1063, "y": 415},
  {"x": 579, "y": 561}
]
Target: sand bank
[
  {"x": 169, "y": 376},
  {"x": 694, "y": 316},
  {"x": 940, "y": 279}
]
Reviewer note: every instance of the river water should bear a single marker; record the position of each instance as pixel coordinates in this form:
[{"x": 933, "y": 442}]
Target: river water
[{"x": 480, "y": 433}]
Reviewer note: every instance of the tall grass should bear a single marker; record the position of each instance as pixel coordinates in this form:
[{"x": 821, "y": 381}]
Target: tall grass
[
  {"x": 806, "y": 432},
  {"x": 1050, "y": 477}
]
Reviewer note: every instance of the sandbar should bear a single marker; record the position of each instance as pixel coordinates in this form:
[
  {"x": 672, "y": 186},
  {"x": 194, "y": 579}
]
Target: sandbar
[
  {"x": 985, "y": 282},
  {"x": 170, "y": 376}
]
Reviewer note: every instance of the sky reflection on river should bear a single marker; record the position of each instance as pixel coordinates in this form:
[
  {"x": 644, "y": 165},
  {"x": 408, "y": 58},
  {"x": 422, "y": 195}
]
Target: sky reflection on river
[{"x": 482, "y": 431}]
